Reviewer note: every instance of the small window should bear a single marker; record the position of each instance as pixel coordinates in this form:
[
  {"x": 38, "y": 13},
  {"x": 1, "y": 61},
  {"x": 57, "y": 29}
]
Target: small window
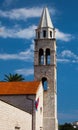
[
  {"x": 38, "y": 34},
  {"x": 41, "y": 57},
  {"x": 45, "y": 83},
  {"x": 17, "y": 128},
  {"x": 48, "y": 56},
  {"x": 44, "y": 33},
  {"x": 42, "y": 60},
  {"x": 50, "y": 33}
]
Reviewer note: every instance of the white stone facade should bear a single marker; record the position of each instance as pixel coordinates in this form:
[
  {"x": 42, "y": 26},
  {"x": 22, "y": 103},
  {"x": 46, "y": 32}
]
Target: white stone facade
[{"x": 11, "y": 117}]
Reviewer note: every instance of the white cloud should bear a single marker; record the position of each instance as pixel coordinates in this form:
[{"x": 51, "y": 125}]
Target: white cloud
[
  {"x": 26, "y": 55},
  {"x": 25, "y": 72},
  {"x": 67, "y": 56},
  {"x": 26, "y": 33},
  {"x": 24, "y": 13},
  {"x": 63, "y": 36},
  {"x": 63, "y": 60},
  {"x": 21, "y": 13}
]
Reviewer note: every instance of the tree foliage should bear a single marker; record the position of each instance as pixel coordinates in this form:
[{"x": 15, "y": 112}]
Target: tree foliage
[
  {"x": 67, "y": 126},
  {"x": 13, "y": 77}
]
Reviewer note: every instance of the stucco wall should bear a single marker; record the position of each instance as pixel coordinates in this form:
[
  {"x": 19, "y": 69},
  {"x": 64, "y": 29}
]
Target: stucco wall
[
  {"x": 11, "y": 117},
  {"x": 39, "y": 111}
]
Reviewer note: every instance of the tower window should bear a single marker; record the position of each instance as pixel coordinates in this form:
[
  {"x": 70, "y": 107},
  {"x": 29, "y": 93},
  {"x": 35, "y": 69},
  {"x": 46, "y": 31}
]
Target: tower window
[
  {"x": 41, "y": 57},
  {"x": 50, "y": 33},
  {"x": 45, "y": 84},
  {"x": 48, "y": 56},
  {"x": 44, "y": 33},
  {"x": 38, "y": 34}
]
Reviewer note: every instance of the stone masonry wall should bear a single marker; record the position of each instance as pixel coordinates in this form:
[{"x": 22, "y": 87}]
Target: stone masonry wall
[{"x": 49, "y": 72}]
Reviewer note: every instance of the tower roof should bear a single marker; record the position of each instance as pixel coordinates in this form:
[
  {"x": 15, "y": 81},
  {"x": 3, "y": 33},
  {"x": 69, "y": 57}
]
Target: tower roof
[{"x": 45, "y": 19}]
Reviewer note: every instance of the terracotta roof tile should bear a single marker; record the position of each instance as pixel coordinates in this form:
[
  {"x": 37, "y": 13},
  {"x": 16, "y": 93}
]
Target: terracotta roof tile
[{"x": 7, "y": 88}]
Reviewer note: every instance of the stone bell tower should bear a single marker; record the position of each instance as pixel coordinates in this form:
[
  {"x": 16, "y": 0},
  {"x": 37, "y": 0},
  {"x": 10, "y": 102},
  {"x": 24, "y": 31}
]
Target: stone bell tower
[{"x": 45, "y": 69}]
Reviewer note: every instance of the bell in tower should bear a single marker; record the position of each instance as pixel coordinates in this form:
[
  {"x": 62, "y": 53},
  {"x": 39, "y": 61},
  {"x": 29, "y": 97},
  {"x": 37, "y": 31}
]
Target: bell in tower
[{"x": 45, "y": 69}]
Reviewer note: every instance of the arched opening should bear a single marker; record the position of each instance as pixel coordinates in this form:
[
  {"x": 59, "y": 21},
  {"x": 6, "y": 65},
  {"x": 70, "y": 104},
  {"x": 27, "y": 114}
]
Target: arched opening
[
  {"x": 45, "y": 83},
  {"x": 41, "y": 57},
  {"x": 48, "y": 56}
]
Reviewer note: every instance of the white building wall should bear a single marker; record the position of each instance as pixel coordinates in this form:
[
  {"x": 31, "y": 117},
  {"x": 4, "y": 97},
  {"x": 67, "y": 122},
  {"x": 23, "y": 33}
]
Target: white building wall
[
  {"x": 39, "y": 111},
  {"x": 11, "y": 117}
]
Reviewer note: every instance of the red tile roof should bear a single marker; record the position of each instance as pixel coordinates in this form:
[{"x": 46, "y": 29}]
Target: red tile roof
[{"x": 7, "y": 88}]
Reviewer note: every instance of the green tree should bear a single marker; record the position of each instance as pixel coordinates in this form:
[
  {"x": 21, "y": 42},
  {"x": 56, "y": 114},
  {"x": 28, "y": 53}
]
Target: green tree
[
  {"x": 67, "y": 126},
  {"x": 13, "y": 77}
]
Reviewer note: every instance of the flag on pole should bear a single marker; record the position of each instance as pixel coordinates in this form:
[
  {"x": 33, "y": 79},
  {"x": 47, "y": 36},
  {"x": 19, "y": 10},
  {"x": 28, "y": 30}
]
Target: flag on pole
[{"x": 37, "y": 104}]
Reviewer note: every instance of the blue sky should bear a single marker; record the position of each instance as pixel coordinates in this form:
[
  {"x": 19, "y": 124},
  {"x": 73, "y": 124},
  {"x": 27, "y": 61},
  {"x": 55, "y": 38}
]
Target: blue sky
[{"x": 18, "y": 21}]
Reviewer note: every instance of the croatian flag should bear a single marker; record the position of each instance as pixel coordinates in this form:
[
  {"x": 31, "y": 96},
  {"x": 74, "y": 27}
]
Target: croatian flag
[{"x": 37, "y": 103}]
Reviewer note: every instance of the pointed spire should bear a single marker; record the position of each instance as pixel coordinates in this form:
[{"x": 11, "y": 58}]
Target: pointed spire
[
  {"x": 45, "y": 19},
  {"x": 45, "y": 29}
]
